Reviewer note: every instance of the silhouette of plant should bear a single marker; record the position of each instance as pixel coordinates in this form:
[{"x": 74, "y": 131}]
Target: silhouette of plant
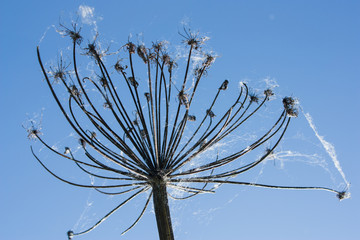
[{"x": 138, "y": 138}]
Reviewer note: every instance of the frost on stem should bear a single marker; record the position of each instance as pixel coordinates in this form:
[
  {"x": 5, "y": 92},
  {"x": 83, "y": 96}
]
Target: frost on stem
[{"x": 161, "y": 147}]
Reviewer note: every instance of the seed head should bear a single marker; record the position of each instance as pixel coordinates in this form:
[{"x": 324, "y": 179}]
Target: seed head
[
  {"x": 91, "y": 50},
  {"x": 166, "y": 58},
  {"x": 82, "y": 142},
  {"x": 143, "y": 133},
  {"x": 210, "y": 113},
  {"x": 92, "y": 135},
  {"x": 268, "y": 93},
  {"x": 74, "y": 91},
  {"x": 342, "y": 195},
  {"x": 135, "y": 122},
  {"x": 107, "y": 105},
  {"x": 210, "y": 59},
  {"x": 131, "y": 47},
  {"x": 67, "y": 150},
  {"x": 171, "y": 65},
  {"x": 197, "y": 71},
  {"x": 159, "y": 46},
  {"x": 254, "y": 98},
  {"x": 183, "y": 98},
  {"x": 192, "y": 39},
  {"x": 269, "y": 152},
  {"x": 103, "y": 82},
  {"x": 191, "y": 118},
  {"x": 73, "y": 33},
  {"x": 33, "y": 133},
  {"x": 142, "y": 52},
  {"x": 224, "y": 85},
  {"x": 147, "y": 95},
  {"x": 119, "y": 67},
  {"x": 292, "y": 112},
  {"x": 288, "y": 101},
  {"x": 59, "y": 75},
  {"x": 133, "y": 82},
  {"x": 70, "y": 234},
  {"x": 59, "y": 72},
  {"x": 290, "y": 106}
]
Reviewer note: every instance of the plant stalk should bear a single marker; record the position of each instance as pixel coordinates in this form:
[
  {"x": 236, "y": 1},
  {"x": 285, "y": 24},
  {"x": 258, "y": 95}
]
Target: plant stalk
[{"x": 162, "y": 211}]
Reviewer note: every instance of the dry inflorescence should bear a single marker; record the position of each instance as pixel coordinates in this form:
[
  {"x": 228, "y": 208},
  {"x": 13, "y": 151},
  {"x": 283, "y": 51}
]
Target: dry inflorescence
[{"x": 150, "y": 151}]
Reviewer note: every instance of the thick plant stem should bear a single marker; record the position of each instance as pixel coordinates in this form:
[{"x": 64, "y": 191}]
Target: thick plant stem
[{"x": 162, "y": 211}]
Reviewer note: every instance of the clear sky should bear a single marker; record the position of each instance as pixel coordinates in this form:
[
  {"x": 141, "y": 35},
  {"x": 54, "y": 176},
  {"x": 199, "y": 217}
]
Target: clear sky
[{"x": 311, "y": 49}]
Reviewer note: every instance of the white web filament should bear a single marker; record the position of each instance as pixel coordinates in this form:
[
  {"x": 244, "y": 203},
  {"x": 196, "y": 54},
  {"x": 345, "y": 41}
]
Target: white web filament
[{"x": 329, "y": 148}]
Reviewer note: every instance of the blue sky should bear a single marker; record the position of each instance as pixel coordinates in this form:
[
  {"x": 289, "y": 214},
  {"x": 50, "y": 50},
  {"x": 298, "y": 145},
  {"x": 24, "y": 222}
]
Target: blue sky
[{"x": 311, "y": 50}]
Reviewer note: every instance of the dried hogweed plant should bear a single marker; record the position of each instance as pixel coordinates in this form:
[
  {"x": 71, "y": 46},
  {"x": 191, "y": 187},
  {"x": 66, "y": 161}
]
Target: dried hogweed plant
[{"x": 138, "y": 140}]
